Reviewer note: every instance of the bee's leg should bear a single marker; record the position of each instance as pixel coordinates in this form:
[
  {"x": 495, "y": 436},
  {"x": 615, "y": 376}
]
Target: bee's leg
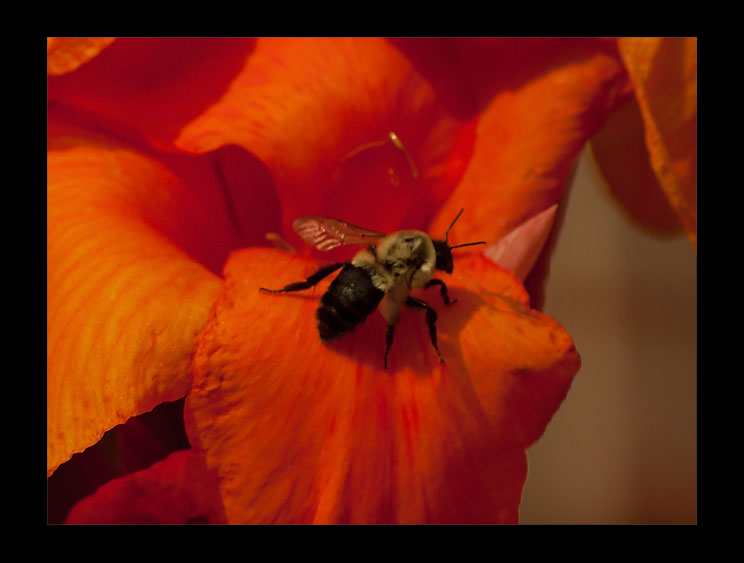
[
  {"x": 431, "y": 320},
  {"x": 309, "y": 282},
  {"x": 445, "y": 295},
  {"x": 388, "y": 340}
]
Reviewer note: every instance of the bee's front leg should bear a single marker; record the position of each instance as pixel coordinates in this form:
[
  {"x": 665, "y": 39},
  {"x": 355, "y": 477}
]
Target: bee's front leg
[
  {"x": 431, "y": 320},
  {"x": 309, "y": 282},
  {"x": 445, "y": 295}
]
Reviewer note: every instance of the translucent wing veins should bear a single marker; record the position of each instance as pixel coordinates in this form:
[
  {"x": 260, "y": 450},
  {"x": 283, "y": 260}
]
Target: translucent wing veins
[{"x": 325, "y": 233}]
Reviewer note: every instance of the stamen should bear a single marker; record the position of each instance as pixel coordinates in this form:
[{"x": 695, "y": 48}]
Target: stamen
[
  {"x": 278, "y": 241},
  {"x": 397, "y": 143}
]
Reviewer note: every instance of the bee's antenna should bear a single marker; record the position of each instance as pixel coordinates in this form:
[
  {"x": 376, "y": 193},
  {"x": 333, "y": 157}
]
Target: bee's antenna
[
  {"x": 468, "y": 244},
  {"x": 446, "y": 235}
]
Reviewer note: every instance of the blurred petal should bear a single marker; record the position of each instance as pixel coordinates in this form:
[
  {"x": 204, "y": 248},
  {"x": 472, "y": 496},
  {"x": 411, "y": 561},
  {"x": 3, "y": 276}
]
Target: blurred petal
[
  {"x": 65, "y": 54},
  {"x": 622, "y": 157},
  {"x": 302, "y": 432},
  {"x": 177, "y": 490},
  {"x": 518, "y": 250},
  {"x": 664, "y": 75},
  {"x": 303, "y": 106},
  {"x": 126, "y": 298},
  {"x": 543, "y": 100}
]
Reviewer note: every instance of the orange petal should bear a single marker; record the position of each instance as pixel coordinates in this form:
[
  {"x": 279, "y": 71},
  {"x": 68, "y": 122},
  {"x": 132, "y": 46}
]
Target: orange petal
[
  {"x": 543, "y": 101},
  {"x": 65, "y": 54},
  {"x": 623, "y": 159},
  {"x": 304, "y": 105},
  {"x": 125, "y": 296},
  {"x": 520, "y": 384},
  {"x": 177, "y": 490},
  {"x": 305, "y": 432},
  {"x": 664, "y": 75}
]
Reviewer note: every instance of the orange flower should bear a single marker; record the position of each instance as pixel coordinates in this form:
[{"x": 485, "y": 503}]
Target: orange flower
[
  {"x": 655, "y": 180},
  {"x": 167, "y": 156}
]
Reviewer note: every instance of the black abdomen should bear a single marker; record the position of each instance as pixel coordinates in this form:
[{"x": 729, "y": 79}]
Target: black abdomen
[{"x": 350, "y": 299}]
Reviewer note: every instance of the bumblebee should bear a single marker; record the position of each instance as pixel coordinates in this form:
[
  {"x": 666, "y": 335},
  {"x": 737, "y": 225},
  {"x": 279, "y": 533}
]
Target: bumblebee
[{"x": 381, "y": 275}]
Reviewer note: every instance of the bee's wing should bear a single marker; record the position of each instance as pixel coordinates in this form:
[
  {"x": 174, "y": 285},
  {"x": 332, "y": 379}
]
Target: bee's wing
[{"x": 325, "y": 233}]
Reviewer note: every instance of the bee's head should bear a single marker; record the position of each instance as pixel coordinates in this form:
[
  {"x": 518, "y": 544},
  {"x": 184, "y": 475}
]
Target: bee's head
[{"x": 444, "y": 250}]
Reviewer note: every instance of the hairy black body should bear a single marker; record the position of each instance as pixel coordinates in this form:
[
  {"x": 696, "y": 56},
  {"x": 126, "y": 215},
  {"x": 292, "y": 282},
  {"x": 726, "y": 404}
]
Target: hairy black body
[{"x": 350, "y": 299}]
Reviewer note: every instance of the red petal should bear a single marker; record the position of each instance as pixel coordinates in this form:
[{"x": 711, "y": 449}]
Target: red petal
[
  {"x": 299, "y": 431},
  {"x": 177, "y": 490},
  {"x": 152, "y": 87}
]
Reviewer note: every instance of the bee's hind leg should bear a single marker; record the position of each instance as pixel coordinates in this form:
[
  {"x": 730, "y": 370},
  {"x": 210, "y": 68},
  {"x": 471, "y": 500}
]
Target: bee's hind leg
[
  {"x": 443, "y": 288},
  {"x": 309, "y": 282},
  {"x": 431, "y": 320}
]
